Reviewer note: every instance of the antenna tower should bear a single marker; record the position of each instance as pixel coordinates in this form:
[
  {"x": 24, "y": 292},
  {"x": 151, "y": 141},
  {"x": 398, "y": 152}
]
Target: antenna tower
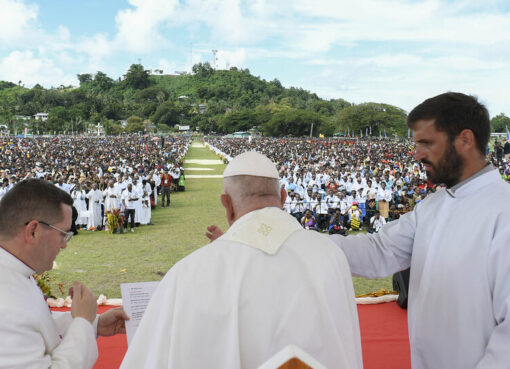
[{"x": 214, "y": 51}]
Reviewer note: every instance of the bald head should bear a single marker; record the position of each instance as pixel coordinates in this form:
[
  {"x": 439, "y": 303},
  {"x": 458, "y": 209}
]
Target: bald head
[
  {"x": 250, "y": 182},
  {"x": 244, "y": 194},
  {"x": 243, "y": 188}
]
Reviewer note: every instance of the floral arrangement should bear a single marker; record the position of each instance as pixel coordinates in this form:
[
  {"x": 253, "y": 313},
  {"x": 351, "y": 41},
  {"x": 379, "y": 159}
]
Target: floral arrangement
[
  {"x": 43, "y": 281},
  {"x": 113, "y": 220}
]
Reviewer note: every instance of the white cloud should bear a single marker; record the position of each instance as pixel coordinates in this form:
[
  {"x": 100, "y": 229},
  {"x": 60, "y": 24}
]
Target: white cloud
[
  {"x": 169, "y": 67},
  {"x": 228, "y": 59},
  {"x": 138, "y": 28},
  {"x": 405, "y": 81},
  {"x": 26, "y": 67},
  {"x": 17, "y": 19},
  {"x": 394, "y": 51},
  {"x": 98, "y": 47},
  {"x": 338, "y": 22},
  {"x": 63, "y": 33}
]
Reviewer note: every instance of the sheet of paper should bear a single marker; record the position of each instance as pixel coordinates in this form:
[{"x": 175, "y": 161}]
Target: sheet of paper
[{"x": 135, "y": 298}]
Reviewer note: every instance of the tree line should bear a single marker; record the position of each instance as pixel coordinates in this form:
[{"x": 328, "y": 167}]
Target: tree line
[{"x": 220, "y": 101}]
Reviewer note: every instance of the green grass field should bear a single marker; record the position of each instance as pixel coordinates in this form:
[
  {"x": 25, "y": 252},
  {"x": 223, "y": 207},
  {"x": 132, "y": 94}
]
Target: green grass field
[{"x": 103, "y": 261}]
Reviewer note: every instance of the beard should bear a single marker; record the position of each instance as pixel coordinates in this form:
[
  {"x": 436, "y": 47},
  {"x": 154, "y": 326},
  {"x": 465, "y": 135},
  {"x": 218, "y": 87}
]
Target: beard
[{"x": 448, "y": 169}]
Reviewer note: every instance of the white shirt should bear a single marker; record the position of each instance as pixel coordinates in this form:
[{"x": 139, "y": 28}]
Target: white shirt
[
  {"x": 3, "y": 191},
  {"x": 377, "y": 223},
  {"x": 231, "y": 305},
  {"x": 30, "y": 334},
  {"x": 127, "y": 197},
  {"x": 65, "y": 187},
  {"x": 111, "y": 203},
  {"x": 333, "y": 201},
  {"x": 383, "y": 194},
  {"x": 459, "y": 292}
]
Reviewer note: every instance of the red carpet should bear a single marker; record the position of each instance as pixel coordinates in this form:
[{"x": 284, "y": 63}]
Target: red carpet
[
  {"x": 384, "y": 336},
  {"x": 384, "y": 339}
]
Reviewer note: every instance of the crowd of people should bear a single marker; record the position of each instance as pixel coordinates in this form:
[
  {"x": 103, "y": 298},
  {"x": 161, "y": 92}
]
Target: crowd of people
[
  {"x": 339, "y": 184},
  {"x": 266, "y": 282},
  {"x": 113, "y": 181}
]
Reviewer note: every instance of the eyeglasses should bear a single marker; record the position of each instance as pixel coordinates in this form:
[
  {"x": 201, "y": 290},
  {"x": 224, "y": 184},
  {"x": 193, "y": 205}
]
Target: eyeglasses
[{"x": 68, "y": 235}]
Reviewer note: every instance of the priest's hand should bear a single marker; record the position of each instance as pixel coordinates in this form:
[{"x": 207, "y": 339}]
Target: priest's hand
[
  {"x": 112, "y": 322},
  {"x": 213, "y": 232},
  {"x": 84, "y": 302}
]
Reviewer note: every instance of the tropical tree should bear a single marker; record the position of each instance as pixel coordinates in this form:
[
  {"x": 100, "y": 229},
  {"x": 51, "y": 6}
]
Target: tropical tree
[
  {"x": 134, "y": 124},
  {"x": 137, "y": 77},
  {"x": 292, "y": 122},
  {"x": 500, "y": 122},
  {"x": 84, "y": 78},
  {"x": 374, "y": 117}
]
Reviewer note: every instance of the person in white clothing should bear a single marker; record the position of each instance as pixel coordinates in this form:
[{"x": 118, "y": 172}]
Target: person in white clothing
[
  {"x": 145, "y": 217},
  {"x": 264, "y": 284},
  {"x": 376, "y": 223},
  {"x": 95, "y": 198},
  {"x": 157, "y": 182},
  {"x": 456, "y": 241},
  {"x": 35, "y": 218},
  {"x": 138, "y": 188},
  {"x": 129, "y": 200},
  {"x": 4, "y": 187},
  {"x": 78, "y": 195},
  {"x": 383, "y": 198},
  {"x": 64, "y": 186},
  {"x": 111, "y": 197}
]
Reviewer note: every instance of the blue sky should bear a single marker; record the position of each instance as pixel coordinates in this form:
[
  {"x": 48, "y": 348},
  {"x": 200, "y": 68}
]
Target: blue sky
[{"x": 396, "y": 52}]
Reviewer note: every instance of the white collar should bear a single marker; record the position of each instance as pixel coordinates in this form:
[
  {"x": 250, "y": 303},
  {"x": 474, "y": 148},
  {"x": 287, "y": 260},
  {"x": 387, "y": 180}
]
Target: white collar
[{"x": 486, "y": 169}]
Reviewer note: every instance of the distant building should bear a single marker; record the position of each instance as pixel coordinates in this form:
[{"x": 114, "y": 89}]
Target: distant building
[
  {"x": 41, "y": 116},
  {"x": 22, "y": 117},
  {"x": 202, "y": 108},
  {"x": 182, "y": 128},
  {"x": 156, "y": 72}
]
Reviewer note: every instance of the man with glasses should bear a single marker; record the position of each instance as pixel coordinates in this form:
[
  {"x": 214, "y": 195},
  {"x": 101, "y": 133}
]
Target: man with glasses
[{"x": 35, "y": 218}]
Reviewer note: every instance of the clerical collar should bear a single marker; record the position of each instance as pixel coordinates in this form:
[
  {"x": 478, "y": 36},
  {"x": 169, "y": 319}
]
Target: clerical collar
[{"x": 486, "y": 169}]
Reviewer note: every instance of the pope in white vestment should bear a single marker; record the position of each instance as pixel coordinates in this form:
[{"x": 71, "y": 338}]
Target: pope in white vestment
[
  {"x": 233, "y": 304},
  {"x": 265, "y": 284}
]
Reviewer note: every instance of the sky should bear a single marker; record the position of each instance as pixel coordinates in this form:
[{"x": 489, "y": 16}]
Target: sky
[{"x": 386, "y": 51}]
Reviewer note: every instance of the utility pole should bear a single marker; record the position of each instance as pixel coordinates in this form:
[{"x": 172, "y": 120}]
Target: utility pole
[
  {"x": 311, "y": 130},
  {"x": 214, "y": 51},
  {"x": 191, "y": 57}
]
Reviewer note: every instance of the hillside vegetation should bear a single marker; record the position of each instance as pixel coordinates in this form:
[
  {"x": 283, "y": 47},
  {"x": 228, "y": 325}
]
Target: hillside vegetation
[{"x": 222, "y": 101}]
